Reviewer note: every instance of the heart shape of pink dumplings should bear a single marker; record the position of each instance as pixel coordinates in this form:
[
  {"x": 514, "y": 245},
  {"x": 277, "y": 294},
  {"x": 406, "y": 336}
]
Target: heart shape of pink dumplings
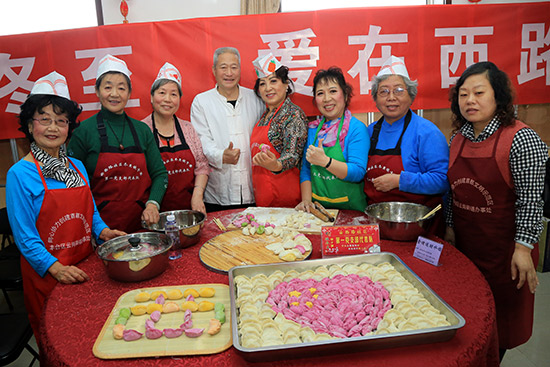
[{"x": 342, "y": 306}]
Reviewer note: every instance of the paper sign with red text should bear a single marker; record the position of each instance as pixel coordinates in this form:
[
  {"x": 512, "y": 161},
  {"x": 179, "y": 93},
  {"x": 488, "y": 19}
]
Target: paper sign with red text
[{"x": 349, "y": 240}]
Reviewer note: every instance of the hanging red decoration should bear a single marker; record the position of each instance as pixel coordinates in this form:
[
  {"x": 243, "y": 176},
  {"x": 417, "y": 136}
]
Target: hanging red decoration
[{"x": 124, "y": 10}]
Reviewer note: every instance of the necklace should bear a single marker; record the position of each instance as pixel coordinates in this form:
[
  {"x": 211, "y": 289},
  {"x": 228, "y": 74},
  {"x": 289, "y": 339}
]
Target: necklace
[{"x": 120, "y": 146}]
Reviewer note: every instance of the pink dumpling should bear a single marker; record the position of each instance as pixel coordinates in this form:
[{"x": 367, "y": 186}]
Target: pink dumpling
[
  {"x": 333, "y": 329},
  {"x": 187, "y": 315},
  {"x": 350, "y": 324},
  {"x": 160, "y": 299},
  {"x": 318, "y": 327},
  {"x": 131, "y": 334},
  {"x": 172, "y": 333},
  {"x": 334, "y": 320},
  {"x": 149, "y": 324},
  {"x": 193, "y": 333},
  {"x": 155, "y": 316},
  {"x": 187, "y": 320},
  {"x": 366, "y": 329},
  {"x": 360, "y": 316},
  {"x": 355, "y": 330},
  {"x": 152, "y": 333},
  {"x": 349, "y": 316}
]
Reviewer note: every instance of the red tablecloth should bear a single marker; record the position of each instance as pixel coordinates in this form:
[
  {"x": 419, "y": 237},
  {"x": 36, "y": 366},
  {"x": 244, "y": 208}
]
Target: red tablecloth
[{"x": 74, "y": 314}]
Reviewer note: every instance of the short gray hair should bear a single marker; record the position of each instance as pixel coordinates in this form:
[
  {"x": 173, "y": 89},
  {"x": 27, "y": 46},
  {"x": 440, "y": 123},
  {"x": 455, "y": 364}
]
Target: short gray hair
[
  {"x": 223, "y": 50},
  {"x": 412, "y": 86},
  {"x": 160, "y": 82}
]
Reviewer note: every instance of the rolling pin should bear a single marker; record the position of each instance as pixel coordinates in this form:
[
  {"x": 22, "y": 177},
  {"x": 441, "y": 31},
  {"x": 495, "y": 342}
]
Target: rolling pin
[{"x": 320, "y": 212}]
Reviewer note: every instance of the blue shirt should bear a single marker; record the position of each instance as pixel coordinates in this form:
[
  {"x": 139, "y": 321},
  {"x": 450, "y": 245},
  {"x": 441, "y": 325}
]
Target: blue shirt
[
  {"x": 424, "y": 152},
  {"x": 356, "y": 150},
  {"x": 24, "y": 196}
]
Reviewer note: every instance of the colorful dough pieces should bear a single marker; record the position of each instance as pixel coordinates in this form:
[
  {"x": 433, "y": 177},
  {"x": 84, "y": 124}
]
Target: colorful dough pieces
[
  {"x": 327, "y": 303},
  {"x": 162, "y": 302}
]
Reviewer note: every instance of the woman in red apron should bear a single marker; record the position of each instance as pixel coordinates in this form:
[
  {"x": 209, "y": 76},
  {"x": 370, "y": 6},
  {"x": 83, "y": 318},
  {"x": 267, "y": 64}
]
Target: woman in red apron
[
  {"x": 495, "y": 214},
  {"x": 277, "y": 141},
  {"x": 50, "y": 206},
  {"x": 335, "y": 161},
  {"x": 120, "y": 154},
  {"x": 409, "y": 155},
  {"x": 179, "y": 145}
]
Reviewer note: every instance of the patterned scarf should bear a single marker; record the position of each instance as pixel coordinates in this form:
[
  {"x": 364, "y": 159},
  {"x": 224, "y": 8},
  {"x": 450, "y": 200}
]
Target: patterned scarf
[
  {"x": 329, "y": 130},
  {"x": 56, "y": 168}
]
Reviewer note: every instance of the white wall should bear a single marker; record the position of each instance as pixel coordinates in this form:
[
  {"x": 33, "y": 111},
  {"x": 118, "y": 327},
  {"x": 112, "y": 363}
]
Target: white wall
[{"x": 156, "y": 10}]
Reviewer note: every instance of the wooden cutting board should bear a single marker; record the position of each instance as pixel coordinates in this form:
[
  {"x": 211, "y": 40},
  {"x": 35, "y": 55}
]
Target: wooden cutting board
[
  {"x": 278, "y": 217},
  {"x": 232, "y": 248},
  {"x": 107, "y": 347}
]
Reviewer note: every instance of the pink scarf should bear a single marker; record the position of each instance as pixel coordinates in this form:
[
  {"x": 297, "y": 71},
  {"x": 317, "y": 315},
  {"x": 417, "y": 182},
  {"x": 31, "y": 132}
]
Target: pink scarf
[{"x": 330, "y": 131}]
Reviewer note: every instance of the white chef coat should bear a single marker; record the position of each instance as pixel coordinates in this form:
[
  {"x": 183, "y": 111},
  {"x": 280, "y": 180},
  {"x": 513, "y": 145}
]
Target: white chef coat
[{"x": 217, "y": 123}]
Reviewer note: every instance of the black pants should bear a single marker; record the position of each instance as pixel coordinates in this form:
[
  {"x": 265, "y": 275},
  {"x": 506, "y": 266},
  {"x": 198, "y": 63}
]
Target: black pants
[{"x": 501, "y": 353}]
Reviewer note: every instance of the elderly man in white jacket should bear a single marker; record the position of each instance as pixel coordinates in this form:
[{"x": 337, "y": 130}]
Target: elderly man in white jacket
[{"x": 223, "y": 118}]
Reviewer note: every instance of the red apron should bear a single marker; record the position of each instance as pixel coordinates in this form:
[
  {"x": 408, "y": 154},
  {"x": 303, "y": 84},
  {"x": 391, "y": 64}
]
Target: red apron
[
  {"x": 273, "y": 190},
  {"x": 121, "y": 182},
  {"x": 484, "y": 223},
  {"x": 382, "y": 162},
  {"x": 180, "y": 164},
  {"x": 65, "y": 227}
]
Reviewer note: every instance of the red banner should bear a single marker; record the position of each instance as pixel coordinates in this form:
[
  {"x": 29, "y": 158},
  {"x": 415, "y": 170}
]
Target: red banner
[{"x": 437, "y": 42}]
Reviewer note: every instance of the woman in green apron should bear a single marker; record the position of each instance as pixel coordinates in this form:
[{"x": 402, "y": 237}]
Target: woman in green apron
[{"x": 335, "y": 157}]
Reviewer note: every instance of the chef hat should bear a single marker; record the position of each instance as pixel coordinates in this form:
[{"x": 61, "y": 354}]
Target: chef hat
[
  {"x": 53, "y": 83},
  {"x": 169, "y": 71},
  {"x": 266, "y": 65},
  {"x": 394, "y": 66},
  {"x": 111, "y": 63}
]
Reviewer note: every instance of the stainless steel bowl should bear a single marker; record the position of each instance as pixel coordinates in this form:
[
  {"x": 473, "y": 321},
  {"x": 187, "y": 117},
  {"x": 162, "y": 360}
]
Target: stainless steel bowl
[
  {"x": 190, "y": 223},
  {"x": 135, "y": 257},
  {"x": 400, "y": 221}
]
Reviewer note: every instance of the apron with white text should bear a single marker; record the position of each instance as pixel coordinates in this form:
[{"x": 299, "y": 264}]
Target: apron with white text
[
  {"x": 484, "y": 225},
  {"x": 65, "y": 227},
  {"x": 121, "y": 182},
  {"x": 180, "y": 164}
]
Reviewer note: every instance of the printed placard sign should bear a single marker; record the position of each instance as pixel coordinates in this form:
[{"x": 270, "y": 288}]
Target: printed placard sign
[
  {"x": 349, "y": 240},
  {"x": 428, "y": 250}
]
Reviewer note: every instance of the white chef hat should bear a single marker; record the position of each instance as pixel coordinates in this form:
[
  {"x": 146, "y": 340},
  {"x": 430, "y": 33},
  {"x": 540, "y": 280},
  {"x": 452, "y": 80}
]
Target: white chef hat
[
  {"x": 53, "y": 83},
  {"x": 266, "y": 65},
  {"x": 394, "y": 66},
  {"x": 170, "y": 72},
  {"x": 111, "y": 63}
]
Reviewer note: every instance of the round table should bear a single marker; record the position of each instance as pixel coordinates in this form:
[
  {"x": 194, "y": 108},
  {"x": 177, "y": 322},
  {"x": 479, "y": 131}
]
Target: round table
[{"x": 75, "y": 314}]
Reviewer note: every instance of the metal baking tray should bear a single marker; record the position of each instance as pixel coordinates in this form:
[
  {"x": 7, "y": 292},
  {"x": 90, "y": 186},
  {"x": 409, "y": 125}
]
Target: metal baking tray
[{"x": 347, "y": 345}]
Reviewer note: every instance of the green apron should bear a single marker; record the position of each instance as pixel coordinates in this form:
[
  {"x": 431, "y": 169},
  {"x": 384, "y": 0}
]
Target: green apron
[{"x": 328, "y": 189}]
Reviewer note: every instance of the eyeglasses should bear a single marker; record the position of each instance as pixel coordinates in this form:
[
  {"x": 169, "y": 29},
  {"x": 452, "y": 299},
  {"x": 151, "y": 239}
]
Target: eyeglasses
[
  {"x": 45, "y": 121},
  {"x": 396, "y": 92}
]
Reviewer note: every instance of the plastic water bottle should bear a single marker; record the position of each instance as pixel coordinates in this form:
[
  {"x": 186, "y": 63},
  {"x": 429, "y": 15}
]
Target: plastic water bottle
[{"x": 172, "y": 231}]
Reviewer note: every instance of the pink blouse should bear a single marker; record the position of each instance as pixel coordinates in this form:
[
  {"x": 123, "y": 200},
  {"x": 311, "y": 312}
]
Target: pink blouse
[{"x": 192, "y": 139}]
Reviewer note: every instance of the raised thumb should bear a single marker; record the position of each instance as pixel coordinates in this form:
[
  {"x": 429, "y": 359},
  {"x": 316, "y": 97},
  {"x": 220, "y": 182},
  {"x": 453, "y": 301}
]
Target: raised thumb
[
  {"x": 230, "y": 145},
  {"x": 320, "y": 145}
]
